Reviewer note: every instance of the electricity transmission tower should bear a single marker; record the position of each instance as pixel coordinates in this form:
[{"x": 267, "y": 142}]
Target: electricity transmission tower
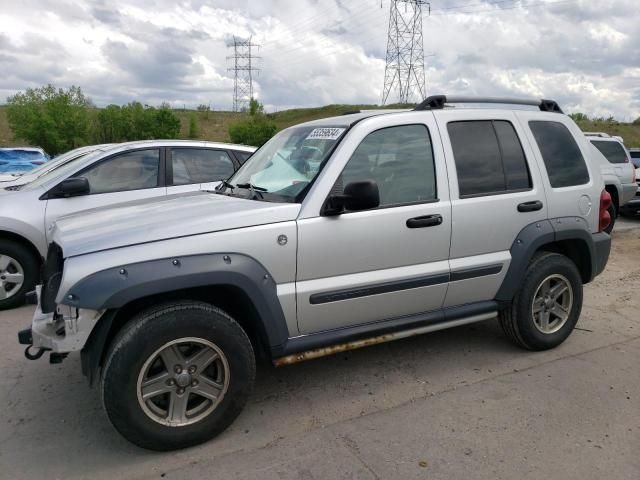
[
  {"x": 404, "y": 72},
  {"x": 243, "y": 68}
]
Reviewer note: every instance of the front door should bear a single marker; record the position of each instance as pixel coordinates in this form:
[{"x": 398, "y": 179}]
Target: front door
[
  {"x": 367, "y": 266},
  {"x": 124, "y": 177}
]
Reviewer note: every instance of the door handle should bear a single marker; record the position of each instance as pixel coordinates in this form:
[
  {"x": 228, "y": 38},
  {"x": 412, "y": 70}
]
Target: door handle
[
  {"x": 425, "y": 221},
  {"x": 530, "y": 206}
]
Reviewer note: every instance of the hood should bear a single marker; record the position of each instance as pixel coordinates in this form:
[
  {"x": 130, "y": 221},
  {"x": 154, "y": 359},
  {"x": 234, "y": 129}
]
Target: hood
[{"x": 163, "y": 218}]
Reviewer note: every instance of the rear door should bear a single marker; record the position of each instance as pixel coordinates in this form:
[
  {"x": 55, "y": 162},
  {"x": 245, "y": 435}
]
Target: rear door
[
  {"x": 122, "y": 177},
  {"x": 496, "y": 191},
  {"x": 197, "y": 168}
]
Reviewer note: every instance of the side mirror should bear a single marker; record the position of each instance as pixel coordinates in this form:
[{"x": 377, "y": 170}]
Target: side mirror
[
  {"x": 357, "y": 196},
  {"x": 72, "y": 187}
]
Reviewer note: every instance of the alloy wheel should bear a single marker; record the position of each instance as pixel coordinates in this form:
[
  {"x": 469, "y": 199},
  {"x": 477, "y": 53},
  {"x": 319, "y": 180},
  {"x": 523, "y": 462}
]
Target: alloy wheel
[
  {"x": 183, "y": 381},
  {"x": 552, "y": 304}
]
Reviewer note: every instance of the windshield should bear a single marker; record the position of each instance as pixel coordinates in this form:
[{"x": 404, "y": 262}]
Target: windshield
[
  {"x": 282, "y": 168},
  {"x": 56, "y": 162},
  {"x": 61, "y": 171}
]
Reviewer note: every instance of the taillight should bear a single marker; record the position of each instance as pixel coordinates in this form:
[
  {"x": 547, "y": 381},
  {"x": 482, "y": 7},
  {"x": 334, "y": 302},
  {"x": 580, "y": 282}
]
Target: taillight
[{"x": 604, "y": 217}]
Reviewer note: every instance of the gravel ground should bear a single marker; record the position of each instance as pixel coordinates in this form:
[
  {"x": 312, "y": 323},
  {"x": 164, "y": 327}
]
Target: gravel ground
[{"x": 462, "y": 403}]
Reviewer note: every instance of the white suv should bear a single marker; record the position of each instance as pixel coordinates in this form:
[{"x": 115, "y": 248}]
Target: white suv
[
  {"x": 618, "y": 172},
  {"x": 336, "y": 234}
]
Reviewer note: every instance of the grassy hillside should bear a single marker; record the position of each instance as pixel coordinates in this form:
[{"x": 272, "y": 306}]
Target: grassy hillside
[{"x": 214, "y": 125}]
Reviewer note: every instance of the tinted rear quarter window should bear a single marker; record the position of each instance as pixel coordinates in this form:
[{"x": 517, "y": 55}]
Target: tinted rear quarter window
[
  {"x": 613, "y": 151},
  {"x": 562, "y": 158},
  {"x": 489, "y": 157}
]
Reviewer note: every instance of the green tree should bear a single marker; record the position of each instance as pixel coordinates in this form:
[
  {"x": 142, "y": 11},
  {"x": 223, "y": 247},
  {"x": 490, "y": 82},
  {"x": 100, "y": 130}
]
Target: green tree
[
  {"x": 135, "y": 121},
  {"x": 193, "y": 126},
  {"x": 164, "y": 123},
  {"x": 111, "y": 125},
  {"x": 53, "y": 118},
  {"x": 255, "y": 130},
  {"x": 636, "y": 121}
]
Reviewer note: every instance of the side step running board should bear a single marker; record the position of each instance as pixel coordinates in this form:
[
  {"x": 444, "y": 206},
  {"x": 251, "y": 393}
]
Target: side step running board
[{"x": 343, "y": 347}]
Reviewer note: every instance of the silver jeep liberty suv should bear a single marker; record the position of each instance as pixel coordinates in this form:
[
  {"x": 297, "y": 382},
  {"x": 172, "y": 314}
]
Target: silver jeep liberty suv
[{"x": 336, "y": 234}]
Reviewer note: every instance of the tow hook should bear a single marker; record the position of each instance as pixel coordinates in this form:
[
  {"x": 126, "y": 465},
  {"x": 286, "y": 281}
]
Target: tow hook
[{"x": 34, "y": 356}]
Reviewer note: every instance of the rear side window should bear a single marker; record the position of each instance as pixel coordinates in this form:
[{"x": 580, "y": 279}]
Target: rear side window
[
  {"x": 612, "y": 150},
  {"x": 561, "y": 155},
  {"x": 200, "y": 165},
  {"x": 489, "y": 158}
]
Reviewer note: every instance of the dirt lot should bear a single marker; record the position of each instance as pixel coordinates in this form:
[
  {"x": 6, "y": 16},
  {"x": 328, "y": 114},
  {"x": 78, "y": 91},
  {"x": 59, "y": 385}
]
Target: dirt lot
[{"x": 457, "y": 404}]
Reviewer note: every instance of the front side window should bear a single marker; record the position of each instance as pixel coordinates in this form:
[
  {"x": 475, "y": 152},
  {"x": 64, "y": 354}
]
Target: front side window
[
  {"x": 489, "y": 157},
  {"x": 400, "y": 160},
  {"x": 561, "y": 155},
  {"x": 613, "y": 151},
  {"x": 129, "y": 171},
  {"x": 199, "y": 165},
  {"x": 284, "y": 166}
]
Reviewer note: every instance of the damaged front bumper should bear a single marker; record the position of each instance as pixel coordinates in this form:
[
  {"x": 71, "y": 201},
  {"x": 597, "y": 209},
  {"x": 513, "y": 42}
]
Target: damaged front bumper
[{"x": 61, "y": 332}]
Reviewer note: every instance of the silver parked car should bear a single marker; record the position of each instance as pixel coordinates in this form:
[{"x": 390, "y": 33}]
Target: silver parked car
[
  {"x": 17, "y": 179},
  {"x": 618, "y": 172},
  {"x": 125, "y": 172},
  {"x": 336, "y": 234}
]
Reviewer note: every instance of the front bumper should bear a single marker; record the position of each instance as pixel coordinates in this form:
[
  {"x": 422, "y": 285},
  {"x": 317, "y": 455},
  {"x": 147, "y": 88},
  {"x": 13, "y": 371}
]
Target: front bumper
[{"x": 63, "y": 331}]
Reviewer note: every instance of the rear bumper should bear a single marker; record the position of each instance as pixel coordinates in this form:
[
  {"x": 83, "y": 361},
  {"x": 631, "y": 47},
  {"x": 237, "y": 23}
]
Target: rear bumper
[
  {"x": 629, "y": 191},
  {"x": 601, "y": 250},
  {"x": 632, "y": 207}
]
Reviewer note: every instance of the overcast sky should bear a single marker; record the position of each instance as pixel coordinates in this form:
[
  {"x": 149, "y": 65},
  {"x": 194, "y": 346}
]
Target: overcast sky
[{"x": 583, "y": 53}]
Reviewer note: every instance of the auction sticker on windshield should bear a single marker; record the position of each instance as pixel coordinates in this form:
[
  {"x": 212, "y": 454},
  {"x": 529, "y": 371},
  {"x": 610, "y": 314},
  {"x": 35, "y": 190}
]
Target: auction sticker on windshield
[{"x": 325, "y": 134}]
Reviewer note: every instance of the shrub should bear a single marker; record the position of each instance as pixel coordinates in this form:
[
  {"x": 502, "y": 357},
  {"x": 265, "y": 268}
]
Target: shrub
[
  {"x": 55, "y": 119},
  {"x": 256, "y": 129}
]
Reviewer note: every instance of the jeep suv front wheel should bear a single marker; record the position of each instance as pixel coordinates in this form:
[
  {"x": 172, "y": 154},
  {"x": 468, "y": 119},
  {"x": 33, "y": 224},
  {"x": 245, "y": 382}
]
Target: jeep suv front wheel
[
  {"x": 546, "y": 308},
  {"x": 177, "y": 375}
]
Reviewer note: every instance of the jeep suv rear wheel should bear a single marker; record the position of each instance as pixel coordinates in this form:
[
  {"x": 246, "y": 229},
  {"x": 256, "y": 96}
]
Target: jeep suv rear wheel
[
  {"x": 545, "y": 310},
  {"x": 177, "y": 375}
]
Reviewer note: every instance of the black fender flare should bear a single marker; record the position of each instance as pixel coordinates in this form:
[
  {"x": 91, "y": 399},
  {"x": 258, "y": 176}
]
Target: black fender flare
[
  {"x": 535, "y": 235},
  {"x": 115, "y": 287}
]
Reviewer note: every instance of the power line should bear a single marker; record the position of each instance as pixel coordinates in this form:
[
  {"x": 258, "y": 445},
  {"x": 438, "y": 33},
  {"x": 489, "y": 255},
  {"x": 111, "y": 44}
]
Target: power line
[{"x": 242, "y": 72}]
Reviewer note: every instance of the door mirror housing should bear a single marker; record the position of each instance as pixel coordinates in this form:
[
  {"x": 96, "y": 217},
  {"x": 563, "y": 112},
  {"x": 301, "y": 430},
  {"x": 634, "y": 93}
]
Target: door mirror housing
[
  {"x": 71, "y": 187},
  {"x": 357, "y": 196}
]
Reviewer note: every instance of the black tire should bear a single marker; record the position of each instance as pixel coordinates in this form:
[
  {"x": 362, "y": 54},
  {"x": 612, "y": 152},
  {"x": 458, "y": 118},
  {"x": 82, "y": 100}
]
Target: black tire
[
  {"x": 29, "y": 264},
  {"x": 140, "y": 338},
  {"x": 613, "y": 212},
  {"x": 517, "y": 320}
]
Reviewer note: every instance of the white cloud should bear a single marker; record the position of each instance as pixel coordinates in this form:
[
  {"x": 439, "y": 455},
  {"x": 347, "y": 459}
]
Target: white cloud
[{"x": 314, "y": 52}]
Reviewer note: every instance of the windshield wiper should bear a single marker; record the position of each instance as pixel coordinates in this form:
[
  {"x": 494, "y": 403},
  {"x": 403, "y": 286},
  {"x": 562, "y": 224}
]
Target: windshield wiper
[
  {"x": 254, "y": 189},
  {"x": 225, "y": 184},
  {"x": 251, "y": 187}
]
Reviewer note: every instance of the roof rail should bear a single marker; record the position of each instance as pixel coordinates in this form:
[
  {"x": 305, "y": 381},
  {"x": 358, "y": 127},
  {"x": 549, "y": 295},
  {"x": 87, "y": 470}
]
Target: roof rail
[
  {"x": 597, "y": 134},
  {"x": 437, "y": 102}
]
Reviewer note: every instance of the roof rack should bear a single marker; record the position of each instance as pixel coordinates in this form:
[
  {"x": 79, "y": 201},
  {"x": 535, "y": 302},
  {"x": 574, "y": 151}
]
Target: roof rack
[{"x": 438, "y": 102}]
